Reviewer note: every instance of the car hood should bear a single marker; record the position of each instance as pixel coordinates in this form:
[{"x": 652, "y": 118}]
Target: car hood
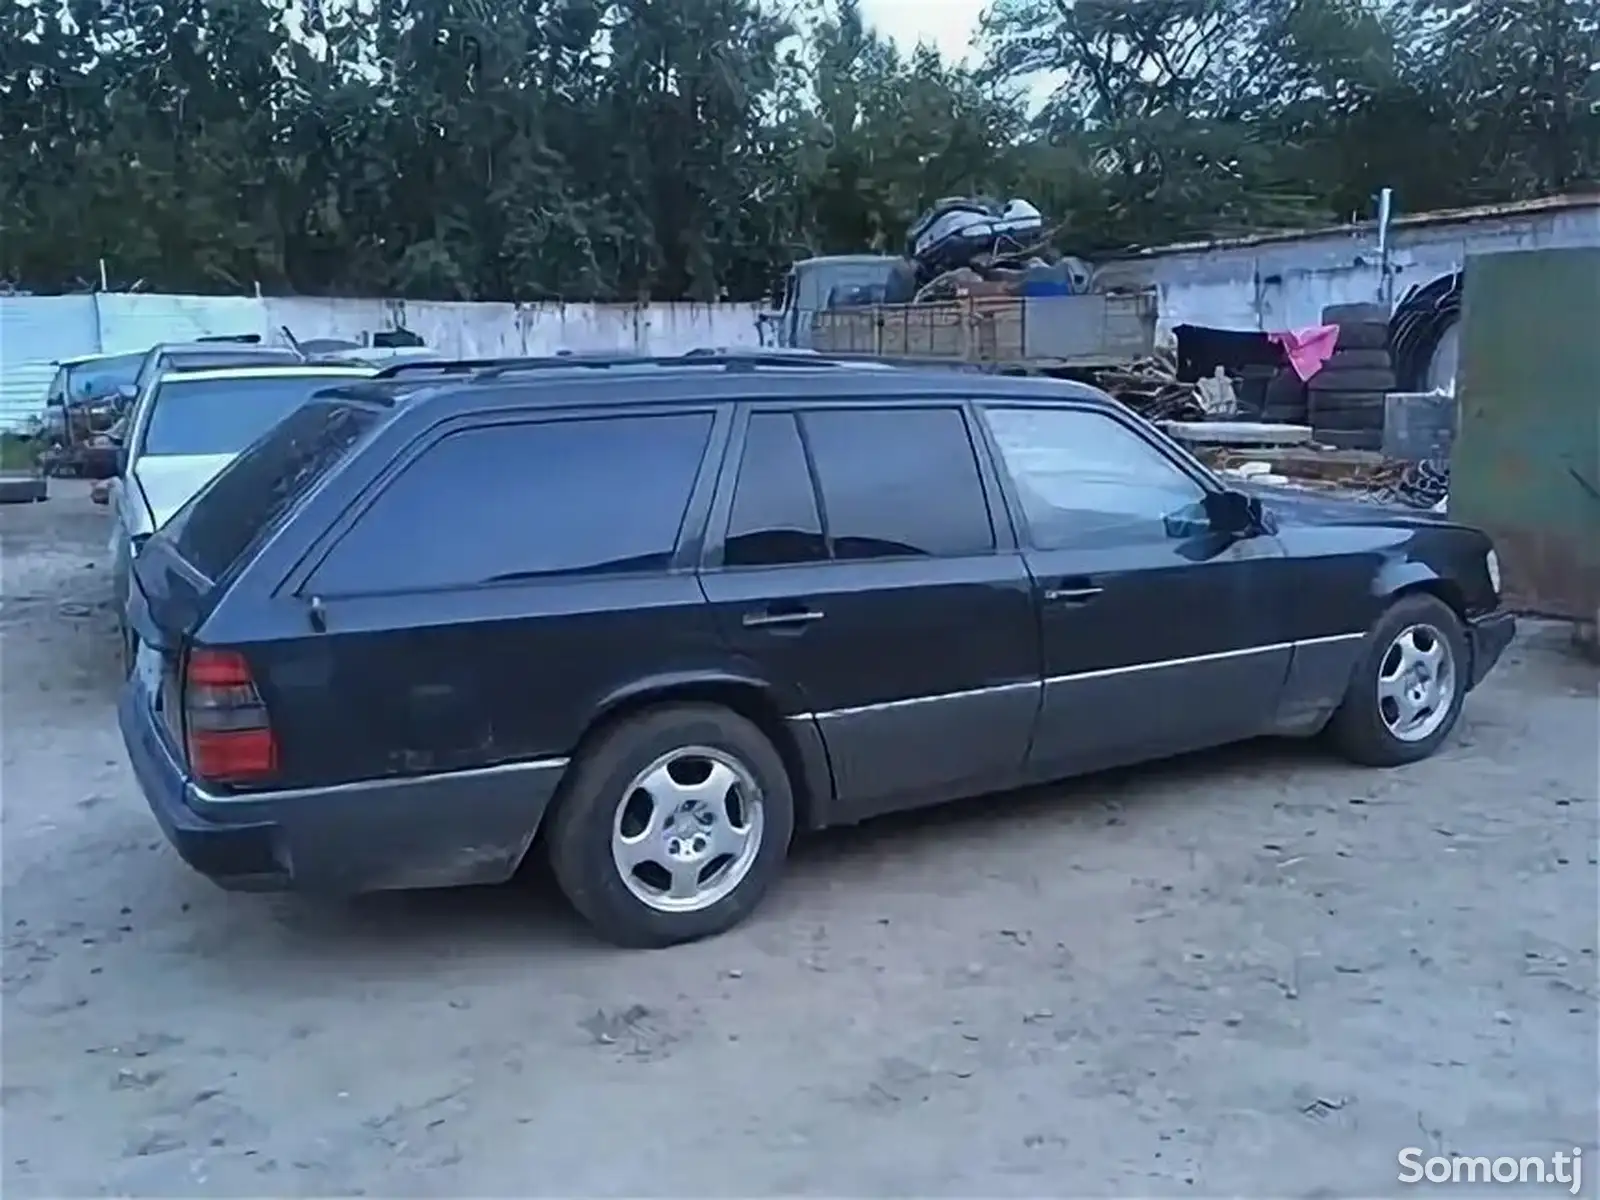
[
  {"x": 1302, "y": 506},
  {"x": 169, "y": 481}
]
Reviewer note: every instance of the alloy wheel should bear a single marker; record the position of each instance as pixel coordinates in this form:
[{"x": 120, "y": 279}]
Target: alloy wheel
[
  {"x": 687, "y": 829},
  {"x": 1417, "y": 683}
]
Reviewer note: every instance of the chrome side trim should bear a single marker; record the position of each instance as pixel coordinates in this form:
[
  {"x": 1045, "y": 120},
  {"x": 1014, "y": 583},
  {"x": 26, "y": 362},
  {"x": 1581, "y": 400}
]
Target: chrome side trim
[
  {"x": 1328, "y": 641},
  {"x": 969, "y": 694},
  {"x": 1079, "y": 676},
  {"x": 391, "y": 782}
]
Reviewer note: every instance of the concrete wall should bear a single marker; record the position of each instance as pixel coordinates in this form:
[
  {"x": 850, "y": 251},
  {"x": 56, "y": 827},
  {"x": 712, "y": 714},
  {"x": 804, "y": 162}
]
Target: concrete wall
[
  {"x": 1275, "y": 283},
  {"x": 37, "y": 330}
]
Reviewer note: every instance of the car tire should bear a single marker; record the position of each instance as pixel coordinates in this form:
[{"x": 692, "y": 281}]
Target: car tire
[
  {"x": 1351, "y": 379},
  {"x": 598, "y": 824},
  {"x": 1369, "y": 335},
  {"x": 1363, "y": 313},
  {"x": 1358, "y": 358},
  {"x": 1365, "y": 728},
  {"x": 130, "y": 648}
]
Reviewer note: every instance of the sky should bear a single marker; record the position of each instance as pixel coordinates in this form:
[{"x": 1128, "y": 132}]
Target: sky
[{"x": 948, "y": 24}]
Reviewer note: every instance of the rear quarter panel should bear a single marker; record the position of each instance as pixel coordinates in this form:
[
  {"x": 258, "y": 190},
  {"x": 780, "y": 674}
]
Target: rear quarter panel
[{"x": 458, "y": 678}]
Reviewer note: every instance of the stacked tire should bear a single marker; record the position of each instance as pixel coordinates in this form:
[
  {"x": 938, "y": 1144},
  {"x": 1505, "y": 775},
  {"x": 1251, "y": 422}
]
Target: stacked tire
[
  {"x": 1346, "y": 398},
  {"x": 1285, "y": 402}
]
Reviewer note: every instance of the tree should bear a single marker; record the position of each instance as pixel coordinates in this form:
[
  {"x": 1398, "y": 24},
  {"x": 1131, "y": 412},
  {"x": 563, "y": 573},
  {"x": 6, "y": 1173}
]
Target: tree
[{"x": 616, "y": 149}]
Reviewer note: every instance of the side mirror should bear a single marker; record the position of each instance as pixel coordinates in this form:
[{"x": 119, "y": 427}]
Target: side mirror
[
  {"x": 126, "y": 392},
  {"x": 1235, "y": 514}
]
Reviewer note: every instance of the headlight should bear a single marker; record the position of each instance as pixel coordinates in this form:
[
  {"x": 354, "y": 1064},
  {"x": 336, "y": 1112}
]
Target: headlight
[{"x": 1491, "y": 562}]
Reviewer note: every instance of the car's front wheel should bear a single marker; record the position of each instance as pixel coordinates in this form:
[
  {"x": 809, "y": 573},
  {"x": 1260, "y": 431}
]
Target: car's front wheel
[
  {"x": 672, "y": 825},
  {"x": 1407, "y": 689}
]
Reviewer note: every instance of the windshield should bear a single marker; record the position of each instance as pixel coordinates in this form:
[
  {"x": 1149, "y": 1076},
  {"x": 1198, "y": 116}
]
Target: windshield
[
  {"x": 101, "y": 377},
  {"x": 822, "y": 282},
  {"x": 223, "y": 416}
]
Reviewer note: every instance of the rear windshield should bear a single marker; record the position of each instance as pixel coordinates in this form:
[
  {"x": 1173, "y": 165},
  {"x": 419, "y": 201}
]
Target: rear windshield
[
  {"x": 101, "y": 377},
  {"x": 215, "y": 529},
  {"x": 223, "y": 416}
]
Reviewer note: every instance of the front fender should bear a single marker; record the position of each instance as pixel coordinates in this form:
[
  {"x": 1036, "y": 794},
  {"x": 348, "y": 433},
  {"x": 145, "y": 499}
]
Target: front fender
[{"x": 1397, "y": 575}]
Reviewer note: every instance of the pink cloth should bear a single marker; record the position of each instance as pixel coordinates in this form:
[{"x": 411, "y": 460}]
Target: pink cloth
[{"x": 1307, "y": 349}]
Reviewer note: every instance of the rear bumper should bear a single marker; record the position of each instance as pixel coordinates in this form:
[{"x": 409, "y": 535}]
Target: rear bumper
[
  {"x": 1489, "y": 635},
  {"x": 446, "y": 830}
]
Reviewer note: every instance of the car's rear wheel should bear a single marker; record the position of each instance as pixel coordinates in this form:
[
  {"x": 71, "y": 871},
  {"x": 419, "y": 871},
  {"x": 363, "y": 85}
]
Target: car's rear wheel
[
  {"x": 672, "y": 825},
  {"x": 1407, "y": 689}
]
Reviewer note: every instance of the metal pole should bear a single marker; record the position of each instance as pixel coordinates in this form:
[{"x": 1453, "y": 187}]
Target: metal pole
[{"x": 1385, "y": 212}]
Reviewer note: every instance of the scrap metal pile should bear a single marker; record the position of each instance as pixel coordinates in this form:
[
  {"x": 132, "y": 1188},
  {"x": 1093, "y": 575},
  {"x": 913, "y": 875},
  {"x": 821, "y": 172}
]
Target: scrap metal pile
[{"x": 970, "y": 245}]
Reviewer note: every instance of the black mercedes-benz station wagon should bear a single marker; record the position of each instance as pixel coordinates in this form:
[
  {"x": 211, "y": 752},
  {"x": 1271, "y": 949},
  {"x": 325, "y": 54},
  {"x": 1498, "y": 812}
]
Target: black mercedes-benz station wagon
[{"x": 649, "y": 616}]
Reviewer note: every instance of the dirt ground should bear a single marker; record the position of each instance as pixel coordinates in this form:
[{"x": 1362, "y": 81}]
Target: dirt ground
[{"x": 1259, "y": 972}]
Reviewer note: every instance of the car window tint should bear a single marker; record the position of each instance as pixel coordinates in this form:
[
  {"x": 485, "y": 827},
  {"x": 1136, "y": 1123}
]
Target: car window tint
[
  {"x": 255, "y": 491},
  {"x": 774, "y": 518},
  {"x": 898, "y": 482},
  {"x": 1084, "y": 475},
  {"x": 525, "y": 501}
]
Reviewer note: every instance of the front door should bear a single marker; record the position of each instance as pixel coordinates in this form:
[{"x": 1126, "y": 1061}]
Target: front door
[
  {"x": 1151, "y": 642},
  {"x": 853, "y": 555}
]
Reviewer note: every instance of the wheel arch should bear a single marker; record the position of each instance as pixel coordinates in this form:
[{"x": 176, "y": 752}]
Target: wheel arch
[
  {"x": 757, "y": 701},
  {"x": 1410, "y": 577}
]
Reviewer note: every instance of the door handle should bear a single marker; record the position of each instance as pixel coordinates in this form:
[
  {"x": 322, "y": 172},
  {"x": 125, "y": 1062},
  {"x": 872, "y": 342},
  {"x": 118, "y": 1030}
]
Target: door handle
[
  {"x": 781, "y": 618},
  {"x": 1072, "y": 591}
]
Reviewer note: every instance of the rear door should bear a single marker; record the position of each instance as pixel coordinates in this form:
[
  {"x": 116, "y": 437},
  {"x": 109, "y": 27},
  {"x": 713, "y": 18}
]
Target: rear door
[
  {"x": 1153, "y": 636},
  {"x": 854, "y": 557},
  {"x": 501, "y": 582}
]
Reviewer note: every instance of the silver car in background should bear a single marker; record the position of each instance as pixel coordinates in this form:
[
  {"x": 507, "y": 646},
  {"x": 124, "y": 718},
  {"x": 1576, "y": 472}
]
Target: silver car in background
[{"x": 182, "y": 430}]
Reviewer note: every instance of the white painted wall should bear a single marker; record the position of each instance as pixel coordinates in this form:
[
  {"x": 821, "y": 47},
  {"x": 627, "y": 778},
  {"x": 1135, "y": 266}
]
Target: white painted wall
[
  {"x": 37, "y": 330},
  {"x": 1285, "y": 283}
]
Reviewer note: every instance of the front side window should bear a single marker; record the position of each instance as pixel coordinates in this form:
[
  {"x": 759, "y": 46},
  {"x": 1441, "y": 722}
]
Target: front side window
[
  {"x": 518, "y": 502},
  {"x": 898, "y": 482},
  {"x": 222, "y": 416},
  {"x": 1083, "y": 475}
]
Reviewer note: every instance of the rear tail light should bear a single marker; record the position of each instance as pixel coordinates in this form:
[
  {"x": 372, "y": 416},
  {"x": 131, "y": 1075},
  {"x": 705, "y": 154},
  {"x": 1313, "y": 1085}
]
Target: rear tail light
[{"x": 229, "y": 736}]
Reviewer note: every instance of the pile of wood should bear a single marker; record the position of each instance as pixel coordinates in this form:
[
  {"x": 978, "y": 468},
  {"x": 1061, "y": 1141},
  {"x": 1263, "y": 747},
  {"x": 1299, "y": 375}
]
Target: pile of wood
[
  {"x": 1358, "y": 471},
  {"x": 1151, "y": 388}
]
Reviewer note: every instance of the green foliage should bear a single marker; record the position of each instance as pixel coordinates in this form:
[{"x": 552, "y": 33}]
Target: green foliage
[{"x": 613, "y": 149}]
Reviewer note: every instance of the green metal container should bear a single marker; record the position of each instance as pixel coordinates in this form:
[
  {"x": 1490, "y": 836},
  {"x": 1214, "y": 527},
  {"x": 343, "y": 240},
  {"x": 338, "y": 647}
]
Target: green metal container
[{"x": 1526, "y": 462}]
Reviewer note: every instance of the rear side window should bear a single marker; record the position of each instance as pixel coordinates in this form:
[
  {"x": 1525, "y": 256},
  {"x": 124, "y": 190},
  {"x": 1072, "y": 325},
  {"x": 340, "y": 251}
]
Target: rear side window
[
  {"x": 217, "y": 527},
  {"x": 774, "y": 518},
  {"x": 510, "y": 502},
  {"x": 898, "y": 482}
]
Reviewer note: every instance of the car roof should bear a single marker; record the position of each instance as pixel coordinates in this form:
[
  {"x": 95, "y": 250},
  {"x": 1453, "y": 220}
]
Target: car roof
[
  {"x": 288, "y": 370},
  {"x": 242, "y": 349},
  {"x": 705, "y": 376},
  {"x": 79, "y": 360}
]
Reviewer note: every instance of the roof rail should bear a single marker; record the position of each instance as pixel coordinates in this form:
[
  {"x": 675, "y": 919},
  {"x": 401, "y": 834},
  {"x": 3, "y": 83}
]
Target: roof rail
[
  {"x": 726, "y": 358},
  {"x": 702, "y": 356},
  {"x": 442, "y": 366}
]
